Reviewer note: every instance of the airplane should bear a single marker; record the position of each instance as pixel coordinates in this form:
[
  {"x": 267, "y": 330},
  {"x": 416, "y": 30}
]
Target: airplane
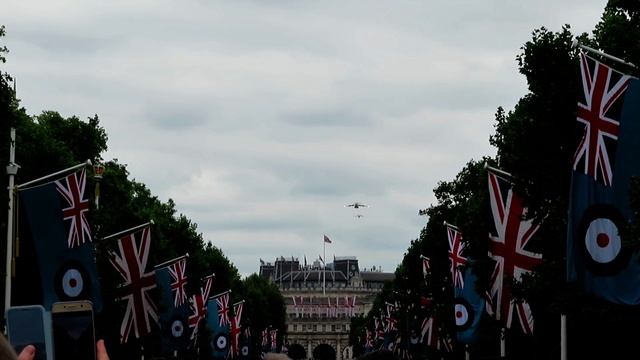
[
  {"x": 358, "y": 215},
  {"x": 357, "y": 205}
]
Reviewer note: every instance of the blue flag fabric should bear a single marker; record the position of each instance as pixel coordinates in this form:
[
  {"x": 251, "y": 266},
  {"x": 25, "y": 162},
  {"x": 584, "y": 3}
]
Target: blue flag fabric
[
  {"x": 173, "y": 315},
  {"x": 246, "y": 347},
  {"x": 220, "y": 342},
  {"x": 56, "y": 216},
  {"x": 469, "y": 307},
  {"x": 599, "y": 205}
]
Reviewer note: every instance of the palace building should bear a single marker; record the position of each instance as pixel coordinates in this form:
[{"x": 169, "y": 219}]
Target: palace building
[{"x": 321, "y": 301}]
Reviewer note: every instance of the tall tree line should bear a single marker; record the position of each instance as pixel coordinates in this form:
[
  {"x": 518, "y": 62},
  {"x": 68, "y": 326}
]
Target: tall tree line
[
  {"x": 49, "y": 142},
  {"x": 535, "y": 143}
]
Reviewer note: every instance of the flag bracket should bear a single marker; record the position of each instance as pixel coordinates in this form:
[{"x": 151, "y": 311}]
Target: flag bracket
[{"x": 576, "y": 44}]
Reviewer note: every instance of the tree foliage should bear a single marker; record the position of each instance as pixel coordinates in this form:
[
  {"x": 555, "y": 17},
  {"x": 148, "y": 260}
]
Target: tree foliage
[
  {"x": 49, "y": 142},
  {"x": 535, "y": 143}
]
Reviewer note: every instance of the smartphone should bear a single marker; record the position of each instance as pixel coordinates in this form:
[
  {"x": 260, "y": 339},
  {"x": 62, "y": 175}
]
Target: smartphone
[
  {"x": 30, "y": 325},
  {"x": 73, "y": 330}
]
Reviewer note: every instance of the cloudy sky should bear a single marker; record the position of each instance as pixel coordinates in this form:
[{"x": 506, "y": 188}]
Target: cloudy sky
[{"x": 261, "y": 119}]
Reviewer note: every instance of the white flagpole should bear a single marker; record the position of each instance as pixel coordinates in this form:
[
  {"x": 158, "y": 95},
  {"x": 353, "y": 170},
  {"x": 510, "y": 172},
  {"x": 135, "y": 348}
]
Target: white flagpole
[
  {"x": 563, "y": 336},
  {"x": 576, "y": 43},
  {"x": 12, "y": 170},
  {"x": 47, "y": 177},
  {"x": 324, "y": 271}
]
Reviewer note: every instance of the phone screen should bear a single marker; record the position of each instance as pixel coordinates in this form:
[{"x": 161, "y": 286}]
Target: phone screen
[
  {"x": 73, "y": 335},
  {"x": 25, "y": 326}
]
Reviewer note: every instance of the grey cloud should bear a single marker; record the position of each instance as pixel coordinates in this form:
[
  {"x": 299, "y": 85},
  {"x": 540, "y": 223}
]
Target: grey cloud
[
  {"x": 328, "y": 118},
  {"x": 176, "y": 116}
]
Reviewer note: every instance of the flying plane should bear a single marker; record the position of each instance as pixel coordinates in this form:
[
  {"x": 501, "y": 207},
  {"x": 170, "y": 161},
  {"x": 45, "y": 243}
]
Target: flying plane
[
  {"x": 358, "y": 215},
  {"x": 357, "y": 205}
]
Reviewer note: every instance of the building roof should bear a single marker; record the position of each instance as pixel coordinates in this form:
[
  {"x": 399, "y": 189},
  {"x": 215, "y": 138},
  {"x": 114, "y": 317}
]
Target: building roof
[{"x": 376, "y": 276}]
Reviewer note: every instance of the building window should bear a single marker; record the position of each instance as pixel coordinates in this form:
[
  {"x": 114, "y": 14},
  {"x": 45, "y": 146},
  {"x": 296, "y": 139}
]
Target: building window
[
  {"x": 295, "y": 327},
  {"x": 333, "y": 327},
  {"x": 315, "y": 327}
]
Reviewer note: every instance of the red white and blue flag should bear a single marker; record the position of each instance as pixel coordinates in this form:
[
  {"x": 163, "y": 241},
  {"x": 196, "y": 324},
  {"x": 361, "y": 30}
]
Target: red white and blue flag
[
  {"x": 235, "y": 329},
  {"x": 75, "y": 207},
  {"x": 198, "y": 304},
  {"x": 130, "y": 260},
  {"x": 456, "y": 247},
  {"x": 507, "y": 242},
  {"x": 599, "y": 113},
  {"x": 223, "y": 309},
  {"x": 178, "y": 274},
  {"x": 606, "y": 162}
]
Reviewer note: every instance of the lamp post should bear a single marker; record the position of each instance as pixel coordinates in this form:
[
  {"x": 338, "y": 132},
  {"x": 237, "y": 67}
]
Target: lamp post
[{"x": 98, "y": 171}]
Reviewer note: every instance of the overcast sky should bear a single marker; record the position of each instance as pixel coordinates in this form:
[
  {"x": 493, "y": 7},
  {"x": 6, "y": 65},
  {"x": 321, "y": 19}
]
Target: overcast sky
[{"x": 262, "y": 119}]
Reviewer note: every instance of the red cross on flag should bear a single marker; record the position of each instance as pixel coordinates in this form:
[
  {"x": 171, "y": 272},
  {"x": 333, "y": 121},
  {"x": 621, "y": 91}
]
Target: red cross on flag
[{"x": 507, "y": 245}]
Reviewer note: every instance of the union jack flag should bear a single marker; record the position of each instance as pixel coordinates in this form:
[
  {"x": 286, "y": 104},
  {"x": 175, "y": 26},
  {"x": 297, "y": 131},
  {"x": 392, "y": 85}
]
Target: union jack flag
[
  {"x": 429, "y": 332},
  {"x": 391, "y": 323},
  {"x": 131, "y": 261},
  {"x": 235, "y": 329},
  {"x": 507, "y": 247},
  {"x": 426, "y": 266},
  {"x": 599, "y": 112},
  {"x": 199, "y": 306},
  {"x": 456, "y": 246},
  {"x": 368, "y": 339},
  {"x": 223, "y": 309},
  {"x": 445, "y": 344},
  {"x": 76, "y": 206},
  {"x": 274, "y": 339},
  {"x": 264, "y": 338},
  {"x": 179, "y": 280}
]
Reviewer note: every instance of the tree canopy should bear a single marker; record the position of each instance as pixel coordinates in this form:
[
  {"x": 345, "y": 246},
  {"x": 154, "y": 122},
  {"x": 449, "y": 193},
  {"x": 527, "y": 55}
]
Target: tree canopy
[
  {"x": 49, "y": 142},
  {"x": 535, "y": 143}
]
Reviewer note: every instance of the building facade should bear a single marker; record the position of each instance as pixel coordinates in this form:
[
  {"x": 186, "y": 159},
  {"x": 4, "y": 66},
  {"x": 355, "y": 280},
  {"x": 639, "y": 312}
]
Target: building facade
[{"x": 321, "y": 300}]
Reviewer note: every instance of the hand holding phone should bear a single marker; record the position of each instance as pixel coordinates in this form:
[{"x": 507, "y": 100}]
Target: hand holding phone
[
  {"x": 73, "y": 330},
  {"x": 30, "y": 325}
]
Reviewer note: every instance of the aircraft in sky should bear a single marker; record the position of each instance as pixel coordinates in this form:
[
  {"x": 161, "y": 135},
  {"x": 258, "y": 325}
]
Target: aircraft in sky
[
  {"x": 358, "y": 215},
  {"x": 357, "y": 205}
]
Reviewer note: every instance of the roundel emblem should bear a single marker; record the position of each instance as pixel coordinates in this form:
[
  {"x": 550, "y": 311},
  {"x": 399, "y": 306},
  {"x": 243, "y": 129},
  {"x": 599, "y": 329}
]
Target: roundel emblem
[
  {"x": 220, "y": 342},
  {"x": 244, "y": 351},
  {"x": 463, "y": 314},
  {"x": 390, "y": 346},
  {"x": 414, "y": 338},
  {"x": 600, "y": 240},
  {"x": 177, "y": 328},
  {"x": 72, "y": 281}
]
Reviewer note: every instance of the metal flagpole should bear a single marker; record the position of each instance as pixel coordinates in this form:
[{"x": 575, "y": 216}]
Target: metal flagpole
[
  {"x": 576, "y": 43},
  {"x": 128, "y": 231},
  {"x": 324, "y": 272},
  {"x": 563, "y": 336},
  {"x": 12, "y": 170},
  {"x": 185, "y": 256},
  {"x": 46, "y": 177}
]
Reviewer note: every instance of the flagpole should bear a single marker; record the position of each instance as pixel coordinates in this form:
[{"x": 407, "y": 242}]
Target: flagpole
[
  {"x": 172, "y": 261},
  {"x": 150, "y": 222},
  {"x": 218, "y": 295},
  {"x": 12, "y": 170},
  {"x": 46, "y": 177},
  {"x": 498, "y": 172},
  {"x": 563, "y": 336},
  {"x": 576, "y": 44},
  {"x": 324, "y": 272}
]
